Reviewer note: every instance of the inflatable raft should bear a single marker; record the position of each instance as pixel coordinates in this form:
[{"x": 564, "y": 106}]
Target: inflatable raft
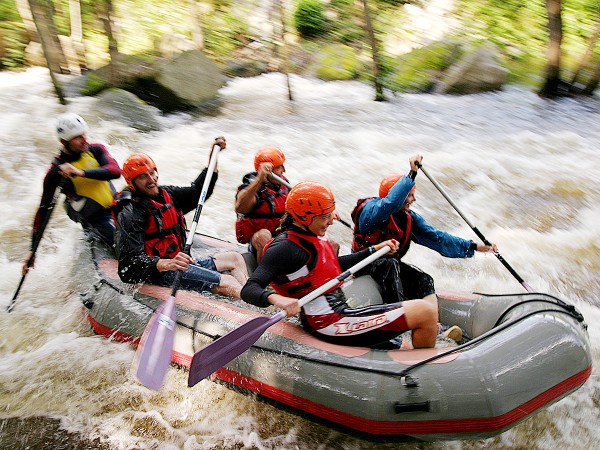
[{"x": 521, "y": 353}]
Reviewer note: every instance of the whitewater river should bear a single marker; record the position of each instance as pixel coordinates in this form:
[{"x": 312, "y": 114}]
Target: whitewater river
[{"x": 524, "y": 170}]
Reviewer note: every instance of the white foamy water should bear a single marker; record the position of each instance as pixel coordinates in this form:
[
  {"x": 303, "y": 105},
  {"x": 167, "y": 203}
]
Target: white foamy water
[{"x": 522, "y": 169}]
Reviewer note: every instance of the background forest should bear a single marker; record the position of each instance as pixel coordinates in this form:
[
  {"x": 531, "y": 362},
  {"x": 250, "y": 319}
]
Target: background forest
[{"x": 551, "y": 44}]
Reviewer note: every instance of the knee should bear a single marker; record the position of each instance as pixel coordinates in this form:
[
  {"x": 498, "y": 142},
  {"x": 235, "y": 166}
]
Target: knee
[
  {"x": 420, "y": 314},
  {"x": 261, "y": 237}
]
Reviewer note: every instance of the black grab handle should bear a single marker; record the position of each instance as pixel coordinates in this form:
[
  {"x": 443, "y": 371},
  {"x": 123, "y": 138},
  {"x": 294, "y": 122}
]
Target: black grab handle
[{"x": 412, "y": 407}]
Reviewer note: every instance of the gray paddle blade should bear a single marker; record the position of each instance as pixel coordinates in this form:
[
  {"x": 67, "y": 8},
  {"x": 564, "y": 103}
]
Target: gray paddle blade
[
  {"x": 153, "y": 356},
  {"x": 229, "y": 346}
]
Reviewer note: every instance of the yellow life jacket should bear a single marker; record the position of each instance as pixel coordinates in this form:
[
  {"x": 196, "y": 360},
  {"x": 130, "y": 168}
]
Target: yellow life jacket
[{"x": 98, "y": 190}]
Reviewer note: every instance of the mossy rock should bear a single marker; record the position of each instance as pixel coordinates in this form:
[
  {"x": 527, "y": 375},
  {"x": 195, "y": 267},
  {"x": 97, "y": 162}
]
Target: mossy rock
[
  {"x": 418, "y": 70},
  {"x": 94, "y": 84},
  {"x": 337, "y": 62}
]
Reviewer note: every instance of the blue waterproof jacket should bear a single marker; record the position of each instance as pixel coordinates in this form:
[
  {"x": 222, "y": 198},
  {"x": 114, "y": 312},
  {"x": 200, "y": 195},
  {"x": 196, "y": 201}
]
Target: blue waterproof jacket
[{"x": 378, "y": 210}]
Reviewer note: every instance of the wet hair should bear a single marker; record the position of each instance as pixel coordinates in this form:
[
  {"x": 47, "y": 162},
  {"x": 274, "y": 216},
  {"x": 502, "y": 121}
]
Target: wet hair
[{"x": 286, "y": 222}]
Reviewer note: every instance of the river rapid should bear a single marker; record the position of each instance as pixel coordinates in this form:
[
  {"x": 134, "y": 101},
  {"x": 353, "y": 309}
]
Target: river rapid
[{"x": 522, "y": 169}]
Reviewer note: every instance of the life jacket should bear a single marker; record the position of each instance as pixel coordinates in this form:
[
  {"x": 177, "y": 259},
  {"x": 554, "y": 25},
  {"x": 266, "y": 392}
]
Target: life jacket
[
  {"x": 97, "y": 190},
  {"x": 164, "y": 234},
  {"x": 92, "y": 197},
  {"x": 267, "y": 213},
  {"x": 398, "y": 227},
  {"x": 321, "y": 266}
]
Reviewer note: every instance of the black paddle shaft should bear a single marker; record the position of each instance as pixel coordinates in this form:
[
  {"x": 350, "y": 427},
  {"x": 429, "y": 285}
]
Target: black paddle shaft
[
  {"x": 475, "y": 229},
  {"x": 190, "y": 239},
  {"x": 37, "y": 239}
]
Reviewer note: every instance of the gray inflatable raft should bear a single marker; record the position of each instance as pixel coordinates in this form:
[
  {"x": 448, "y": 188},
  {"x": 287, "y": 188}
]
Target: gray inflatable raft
[{"x": 521, "y": 353}]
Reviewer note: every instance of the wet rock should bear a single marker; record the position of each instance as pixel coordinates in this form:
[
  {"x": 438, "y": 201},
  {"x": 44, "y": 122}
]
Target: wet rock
[
  {"x": 478, "y": 71},
  {"x": 124, "y": 107}
]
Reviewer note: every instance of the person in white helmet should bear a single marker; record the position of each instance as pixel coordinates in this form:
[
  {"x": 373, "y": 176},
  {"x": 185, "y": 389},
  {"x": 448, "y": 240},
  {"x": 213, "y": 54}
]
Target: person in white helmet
[{"x": 84, "y": 171}]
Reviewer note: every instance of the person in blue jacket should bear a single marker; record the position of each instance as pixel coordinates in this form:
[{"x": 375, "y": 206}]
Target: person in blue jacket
[{"x": 389, "y": 216}]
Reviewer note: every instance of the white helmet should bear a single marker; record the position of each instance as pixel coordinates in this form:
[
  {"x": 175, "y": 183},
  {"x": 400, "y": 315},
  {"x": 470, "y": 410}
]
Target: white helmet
[{"x": 69, "y": 126}]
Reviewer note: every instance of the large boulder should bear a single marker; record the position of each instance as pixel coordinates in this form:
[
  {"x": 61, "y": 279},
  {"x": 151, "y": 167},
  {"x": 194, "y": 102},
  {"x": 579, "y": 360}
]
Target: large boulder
[
  {"x": 124, "y": 107},
  {"x": 192, "y": 77},
  {"x": 190, "y": 80},
  {"x": 419, "y": 70},
  {"x": 478, "y": 71}
]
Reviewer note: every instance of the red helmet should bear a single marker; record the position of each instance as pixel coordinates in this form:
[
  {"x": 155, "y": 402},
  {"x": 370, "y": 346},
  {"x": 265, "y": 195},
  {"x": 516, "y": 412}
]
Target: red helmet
[
  {"x": 269, "y": 154},
  {"x": 307, "y": 200},
  {"x": 387, "y": 183},
  {"x": 136, "y": 165}
]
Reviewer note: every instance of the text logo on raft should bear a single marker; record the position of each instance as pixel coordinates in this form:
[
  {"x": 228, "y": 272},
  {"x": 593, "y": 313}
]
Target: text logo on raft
[{"x": 357, "y": 327}]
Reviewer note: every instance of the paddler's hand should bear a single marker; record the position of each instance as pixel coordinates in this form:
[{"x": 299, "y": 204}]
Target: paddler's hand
[
  {"x": 222, "y": 143},
  {"x": 392, "y": 243},
  {"x": 487, "y": 248},
  {"x": 69, "y": 171},
  {"x": 26, "y": 268},
  {"x": 288, "y": 304},
  {"x": 181, "y": 262},
  {"x": 264, "y": 170},
  {"x": 413, "y": 160}
]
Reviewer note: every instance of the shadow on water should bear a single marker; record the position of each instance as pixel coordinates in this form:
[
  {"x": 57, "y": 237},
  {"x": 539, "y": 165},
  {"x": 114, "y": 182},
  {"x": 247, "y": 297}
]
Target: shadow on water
[{"x": 41, "y": 433}]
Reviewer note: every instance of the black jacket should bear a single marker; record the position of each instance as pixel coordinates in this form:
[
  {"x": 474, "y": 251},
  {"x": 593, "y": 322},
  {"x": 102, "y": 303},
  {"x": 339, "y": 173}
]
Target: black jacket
[{"x": 135, "y": 266}]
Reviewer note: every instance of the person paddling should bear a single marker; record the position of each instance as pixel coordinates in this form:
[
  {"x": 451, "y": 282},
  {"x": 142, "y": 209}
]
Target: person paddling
[
  {"x": 85, "y": 170},
  {"x": 389, "y": 216},
  {"x": 151, "y": 233},
  {"x": 301, "y": 258},
  {"x": 260, "y": 201}
]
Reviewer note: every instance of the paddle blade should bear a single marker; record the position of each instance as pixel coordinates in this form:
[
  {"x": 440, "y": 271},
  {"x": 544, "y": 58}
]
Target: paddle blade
[
  {"x": 153, "y": 356},
  {"x": 228, "y": 347}
]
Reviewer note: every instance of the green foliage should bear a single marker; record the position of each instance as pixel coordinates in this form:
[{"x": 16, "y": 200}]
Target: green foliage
[
  {"x": 224, "y": 32},
  {"x": 8, "y": 12},
  {"x": 94, "y": 84},
  {"x": 338, "y": 62},
  {"x": 309, "y": 18},
  {"x": 14, "y": 40},
  {"x": 415, "y": 71}
]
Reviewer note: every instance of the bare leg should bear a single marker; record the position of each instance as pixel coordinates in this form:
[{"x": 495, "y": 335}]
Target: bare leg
[
  {"x": 432, "y": 298},
  {"x": 229, "y": 287},
  {"x": 259, "y": 240},
  {"x": 234, "y": 263},
  {"x": 422, "y": 319}
]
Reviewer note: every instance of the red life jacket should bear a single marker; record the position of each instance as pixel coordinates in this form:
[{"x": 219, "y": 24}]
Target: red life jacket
[
  {"x": 164, "y": 235},
  {"x": 392, "y": 229},
  {"x": 267, "y": 213},
  {"x": 322, "y": 266}
]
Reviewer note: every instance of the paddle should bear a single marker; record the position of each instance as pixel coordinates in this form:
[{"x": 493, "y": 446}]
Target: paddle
[
  {"x": 476, "y": 230},
  {"x": 289, "y": 186},
  {"x": 153, "y": 355},
  {"x": 229, "y": 346},
  {"x": 36, "y": 240}
]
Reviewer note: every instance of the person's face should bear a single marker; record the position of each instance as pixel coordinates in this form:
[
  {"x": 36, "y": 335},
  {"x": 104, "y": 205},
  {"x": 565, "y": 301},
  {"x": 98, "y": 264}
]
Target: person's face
[
  {"x": 77, "y": 145},
  {"x": 147, "y": 183},
  {"x": 410, "y": 199},
  {"x": 279, "y": 170},
  {"x": 320, "y": 224}
]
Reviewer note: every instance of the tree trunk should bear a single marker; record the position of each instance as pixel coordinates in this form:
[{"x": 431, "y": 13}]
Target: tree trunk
[
  {"x": 592, "y": 83},
  {"x": 195, "y": 16},
  {"x": 44, "y": 31},
  {"x": 106, "y": 16},
  {"x": 589, "y": 54},
  {"x": 551, "y": 85},
  {"x": 77, "y": 33},
  {"x": 375, "y": 54},
  {"x": 284, "y": 53},
  {"x": 25, "y": 12}
]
